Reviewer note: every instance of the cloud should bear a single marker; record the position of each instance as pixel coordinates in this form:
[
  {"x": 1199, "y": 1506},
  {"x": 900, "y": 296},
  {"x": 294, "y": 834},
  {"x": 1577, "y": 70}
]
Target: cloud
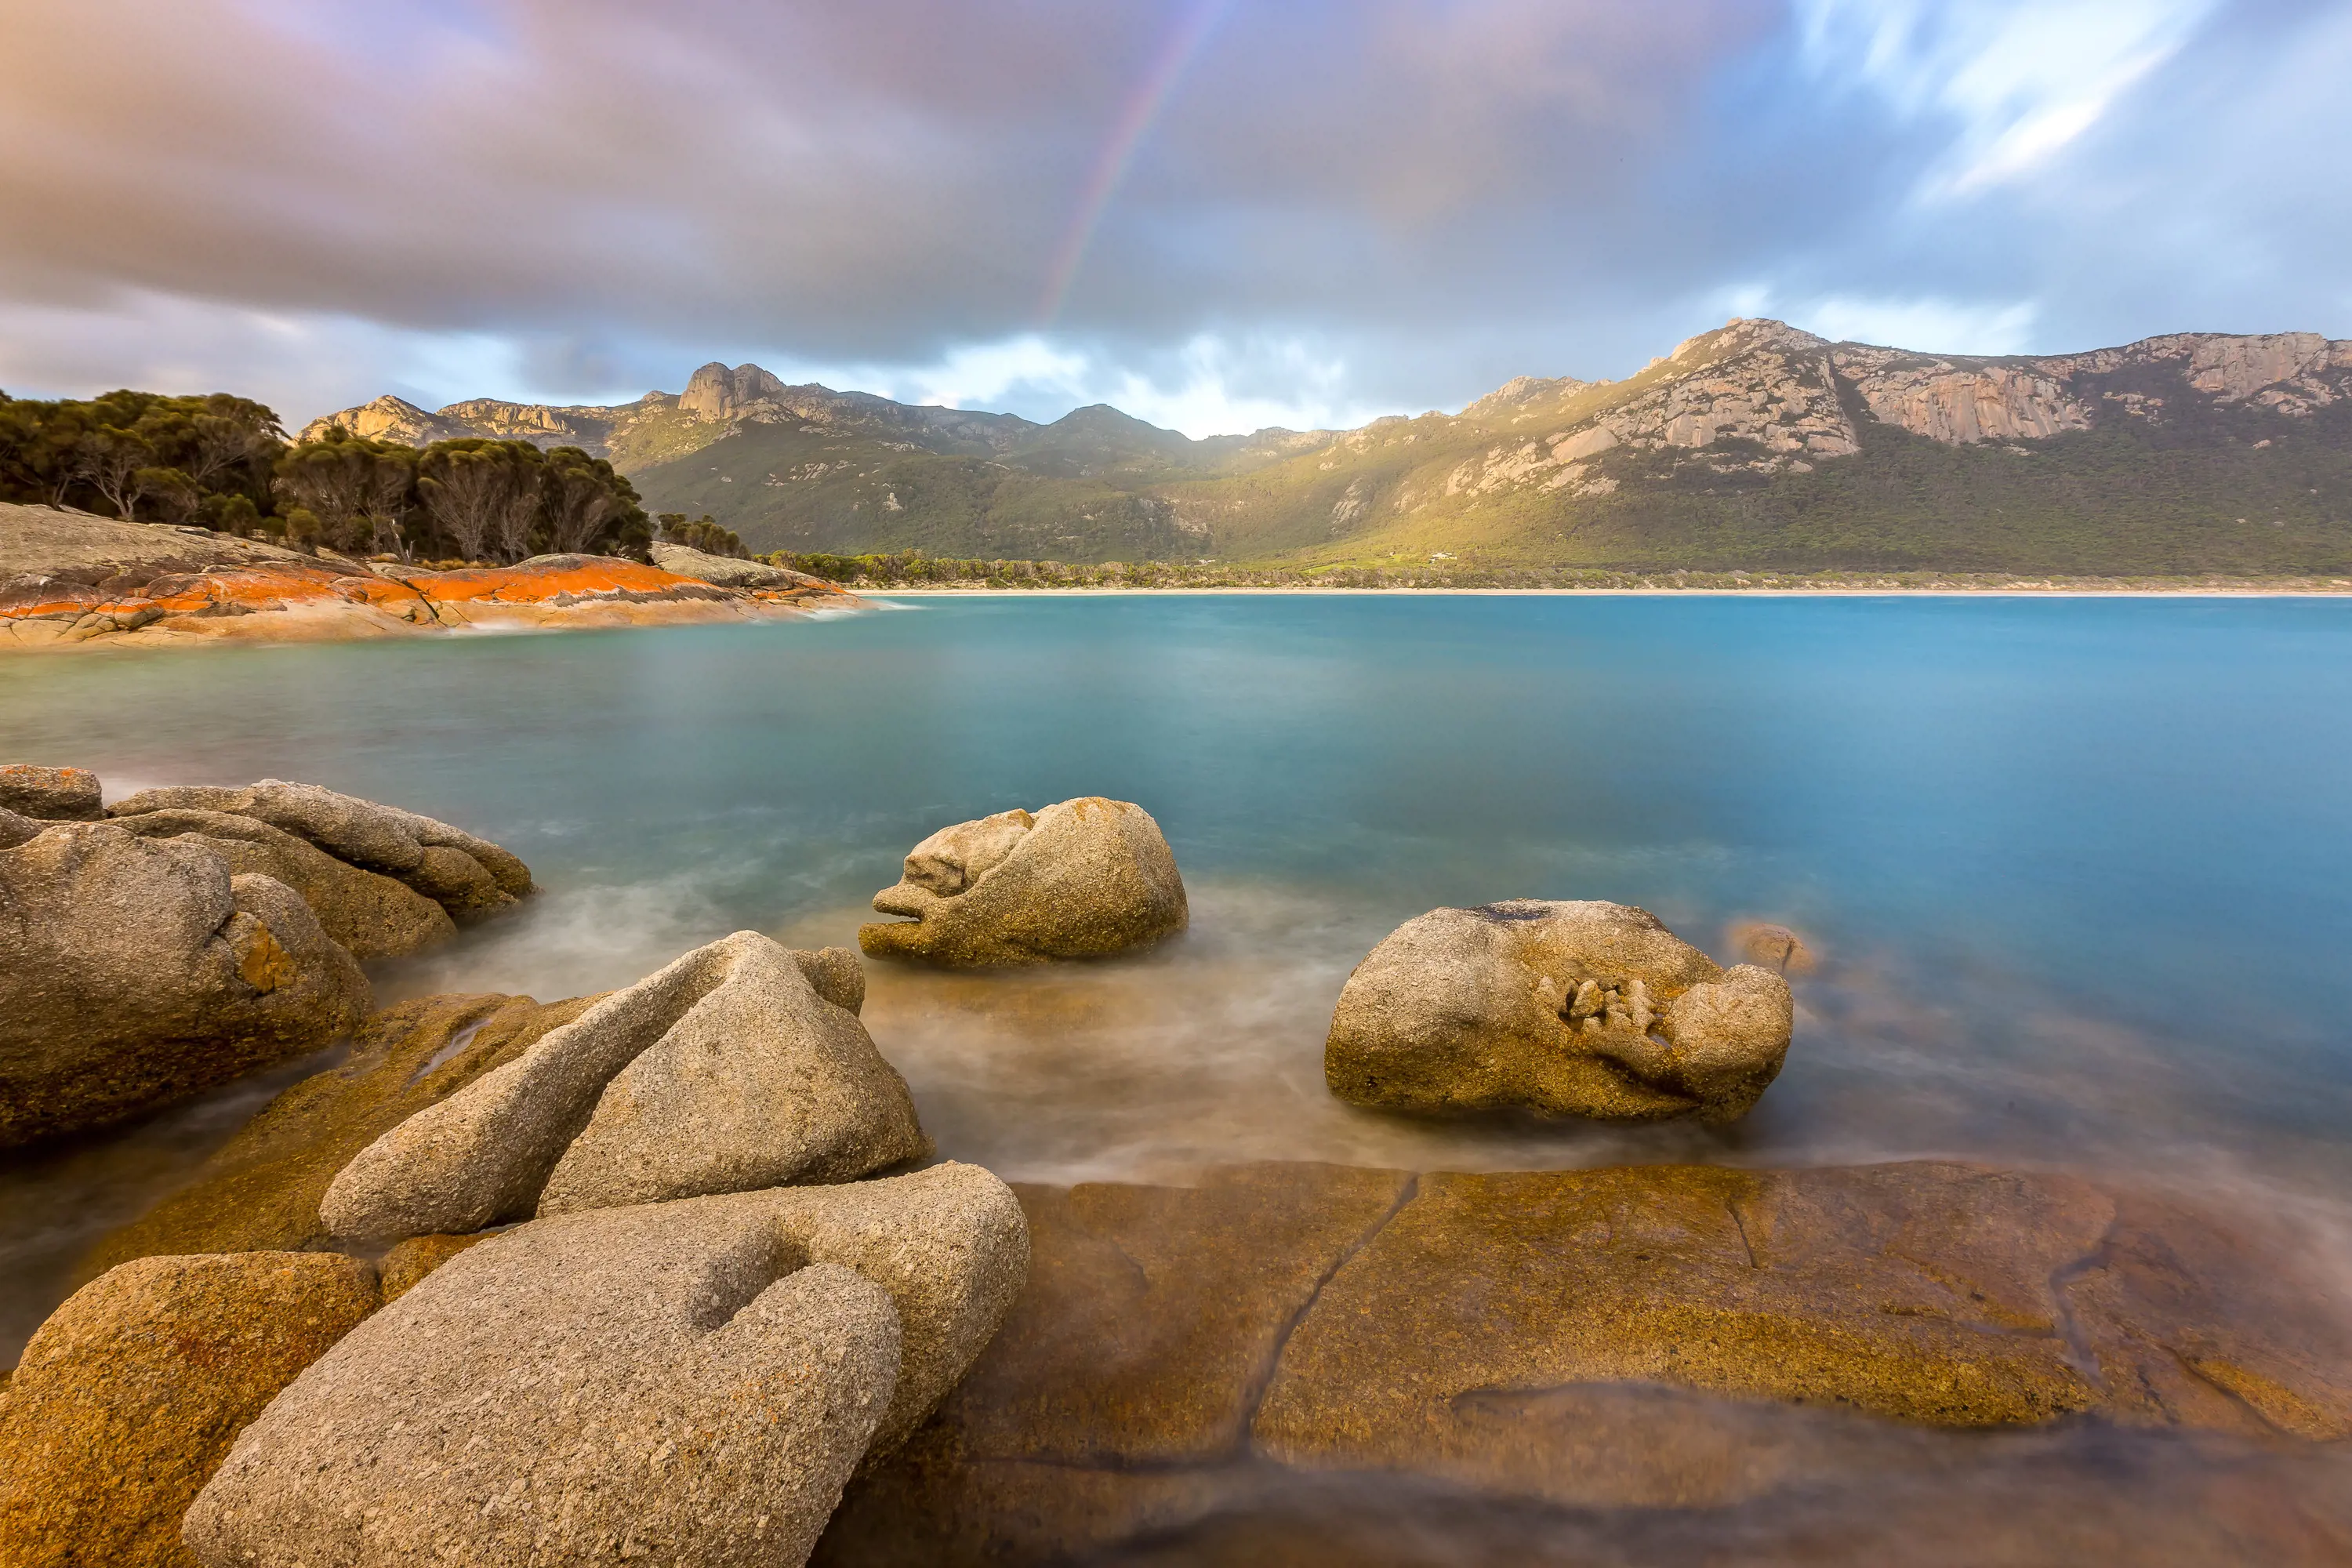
[{"x": 1335, "y": 206}]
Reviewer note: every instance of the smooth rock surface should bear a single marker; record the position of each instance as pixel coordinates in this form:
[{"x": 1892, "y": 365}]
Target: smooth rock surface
[
  {"x": 690, "y": 1383},
  {"x": 1629, "y": 1338},
  {"x": 136, "y": 973},
  {"x": 1126, "y": 1374},
  {"x": 723, "y": 1072},
  {"x": 1568, "y": 1008},
  {"x": 262, "y": 1190},
  {"x": 51, "y": 795},
  {"x": 130, "y": 1395},
  {"x": 372, "y": 915},
  {"x": 466, "y": 876},
  {"x": 728, "y": 572},
  {"x": 1082, "y": 879}
]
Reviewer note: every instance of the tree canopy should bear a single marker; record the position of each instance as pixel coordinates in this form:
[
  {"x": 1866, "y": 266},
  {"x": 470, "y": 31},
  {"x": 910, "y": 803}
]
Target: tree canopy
[{"x": 224, "y": 463}]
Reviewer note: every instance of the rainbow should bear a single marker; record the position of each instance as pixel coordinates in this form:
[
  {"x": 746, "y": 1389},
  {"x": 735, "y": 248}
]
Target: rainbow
[{"x": 1118, "y": 156}]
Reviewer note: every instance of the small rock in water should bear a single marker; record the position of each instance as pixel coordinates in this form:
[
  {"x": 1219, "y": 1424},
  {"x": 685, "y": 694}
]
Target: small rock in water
[
  {"x": 727, "y": 1070},
  {"x": 693, "y": 1382},
  {"x": 130, "y": 1395},
  {"x": 50, "y": 794},
  {"x": 134, "y": 973},
  {"x": 1083, "y": 878},
  {"x": 1774, "y": 946},
  {"x": 1458, "y": 1010}
]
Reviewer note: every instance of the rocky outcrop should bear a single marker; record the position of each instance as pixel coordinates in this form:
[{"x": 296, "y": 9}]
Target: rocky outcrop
[
  {"x": 1083, "y": 878},
  {"x": 727, "y": 1070},
  {"x": 371, "y": 915},
  {"x": 262, "y": 1190},
  {"x": 729, "y": 573},
  {"x": 466, "y": 876},
  {"x": 1958, "y": 403},
  {"x": 68, "y": 580},
  {"x": 1624, "y": 1338},
  {"x": 134, "y": 973},
  {"x": 390, "y": 418},
  {"x": 128, "y": 1398},
  {"x": 51, "y": 795},
  {"x": 692, "y": 1382},
  {"x": 1570, "y": 1009},
  {"x": 714, "y": 392}
]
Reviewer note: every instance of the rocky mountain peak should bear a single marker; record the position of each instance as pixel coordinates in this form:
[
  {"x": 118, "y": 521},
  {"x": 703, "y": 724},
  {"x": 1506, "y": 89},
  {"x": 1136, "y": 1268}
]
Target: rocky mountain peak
[
  {"x": 715, "y": 392},
  {"x": 1526, "y": 391}
]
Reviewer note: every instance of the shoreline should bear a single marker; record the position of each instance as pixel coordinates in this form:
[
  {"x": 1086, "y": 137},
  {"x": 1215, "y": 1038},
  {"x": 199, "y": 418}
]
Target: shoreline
[{"x": 2018, "y": 592}]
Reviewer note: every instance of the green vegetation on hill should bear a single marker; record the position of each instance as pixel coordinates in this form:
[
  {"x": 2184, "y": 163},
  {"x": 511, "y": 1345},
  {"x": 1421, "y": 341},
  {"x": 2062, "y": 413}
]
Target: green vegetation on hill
[
  {"x": 224, "y": 463},
  {"x": 1754, "y": 447}
]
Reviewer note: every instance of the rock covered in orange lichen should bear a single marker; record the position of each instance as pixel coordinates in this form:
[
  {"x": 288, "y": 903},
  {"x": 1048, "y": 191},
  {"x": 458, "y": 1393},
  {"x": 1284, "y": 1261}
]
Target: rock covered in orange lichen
[{"x": 241, "y": 591}]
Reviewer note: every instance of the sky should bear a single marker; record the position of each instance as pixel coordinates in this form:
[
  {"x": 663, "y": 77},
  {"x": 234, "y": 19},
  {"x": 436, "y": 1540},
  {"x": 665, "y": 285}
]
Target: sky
[{"x": 1217, "y": 215}]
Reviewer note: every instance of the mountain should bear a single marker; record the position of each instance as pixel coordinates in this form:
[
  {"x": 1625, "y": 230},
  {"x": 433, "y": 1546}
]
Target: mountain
[{"x": 1755, "y": 444}]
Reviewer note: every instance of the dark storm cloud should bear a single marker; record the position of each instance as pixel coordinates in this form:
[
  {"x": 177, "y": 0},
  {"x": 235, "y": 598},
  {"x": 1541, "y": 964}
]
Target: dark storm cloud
[{"x": 1432, "y": 195}]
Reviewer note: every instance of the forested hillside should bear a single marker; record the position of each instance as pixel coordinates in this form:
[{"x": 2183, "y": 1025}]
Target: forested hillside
[{"x": 1754, "y": 447}]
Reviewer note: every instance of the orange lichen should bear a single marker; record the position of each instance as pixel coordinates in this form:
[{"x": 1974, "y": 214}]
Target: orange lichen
[{"x": 331, "y": 600}]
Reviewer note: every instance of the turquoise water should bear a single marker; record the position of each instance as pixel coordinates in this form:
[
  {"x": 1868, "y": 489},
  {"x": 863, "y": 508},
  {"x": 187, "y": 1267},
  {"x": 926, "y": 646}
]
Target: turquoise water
[
  {"x": 2080, "y": 867},
  {"x": 2080, "y": 871}
]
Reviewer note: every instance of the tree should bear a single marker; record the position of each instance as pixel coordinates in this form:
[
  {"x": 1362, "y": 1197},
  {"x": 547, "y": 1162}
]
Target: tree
[
  {"x": 704, "y": 534},
  {"x": 357, "y": 490},
  {"x": 112, "y": 453},
  {"x": 109, "y": 461},
  {"x": 527, "y": 486},
  {"x": 473, "y": 486},
  {"x": 175, "y": 495},
  {"x": 587, "y": 504}
]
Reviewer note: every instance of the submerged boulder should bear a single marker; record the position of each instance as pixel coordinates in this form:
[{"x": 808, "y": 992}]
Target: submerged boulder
[
  {"x": 129, "y": 1396},
  {"x": 726, "y": 1072},
  {"x": 1654, "y": 1337},
  {"x": 52, "y": 794},
  {"x": 466, "y": 876},
  {"x": 1079, "y": 879},
  {"x": 690, "y": 1382},
  {"x": 1569, "y": 1008},
  {"x": 134, "y": 973}
]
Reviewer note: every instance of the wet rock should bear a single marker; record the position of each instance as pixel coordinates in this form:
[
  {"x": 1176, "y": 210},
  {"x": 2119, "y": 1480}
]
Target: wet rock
[
  {"x": 50, "y": 794},
  {"x": 262, "y": 1190},
  {"x": 725, "y": 1071},
  {"x": 1774, "y": 947},
  {"x": 1079, "y": 879},
  {"x": 370, "y": 914},
  {"x": 135, "y": 973},
  {"x": 1574, "y": 1008},
  {"x": 690, "y": 1382},
  {"x": 1495, "y": 1311},
  {"x": 1126, "y": 1375},
  {"x": 469, "y": 876},
  {"x": 129, "y": 1396},
  {"x": 1655, "y": 1337}
]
